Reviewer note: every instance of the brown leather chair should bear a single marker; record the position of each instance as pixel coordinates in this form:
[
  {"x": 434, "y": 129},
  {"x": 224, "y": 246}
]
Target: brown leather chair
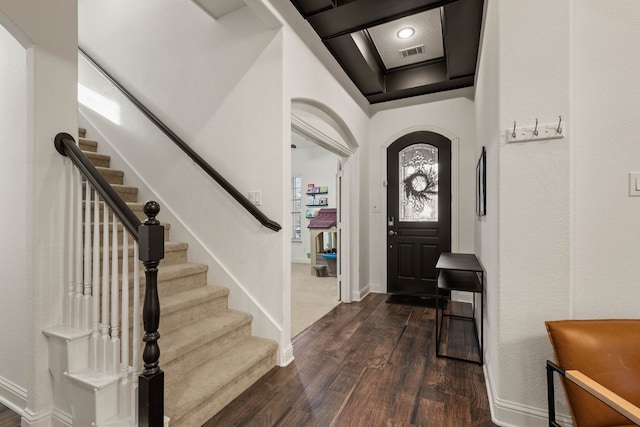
[{"x": 598, "y": 358}]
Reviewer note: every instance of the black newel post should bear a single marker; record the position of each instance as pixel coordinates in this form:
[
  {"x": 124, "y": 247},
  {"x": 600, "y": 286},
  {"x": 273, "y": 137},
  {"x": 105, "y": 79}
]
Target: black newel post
[{"x": 151, "y": 381}]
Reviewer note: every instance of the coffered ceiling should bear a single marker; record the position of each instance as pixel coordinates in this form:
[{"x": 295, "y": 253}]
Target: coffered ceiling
[{"x": 363, "y": 36}]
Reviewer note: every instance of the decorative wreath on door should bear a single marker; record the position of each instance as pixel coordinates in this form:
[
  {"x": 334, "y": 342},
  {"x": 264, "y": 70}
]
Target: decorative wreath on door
[{"x": 421, "y": 186}]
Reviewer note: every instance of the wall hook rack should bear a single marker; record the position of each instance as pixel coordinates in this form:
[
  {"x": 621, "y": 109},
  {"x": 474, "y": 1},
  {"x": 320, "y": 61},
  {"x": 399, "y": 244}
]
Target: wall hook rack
[{"x": 535, "y": 133}]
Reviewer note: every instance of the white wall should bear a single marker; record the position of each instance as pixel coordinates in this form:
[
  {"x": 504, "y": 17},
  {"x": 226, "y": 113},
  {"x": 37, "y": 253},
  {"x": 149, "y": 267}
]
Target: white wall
[
  {"x": 218, "y": 84},
  {"x": 15, "y": 186},
  {"x": 48, "y": 33},
  {"x": 605, "y": 107},
  {"x": 488, "y": 134},
  {"x": 316, "y": 166},
  {"x": 565, "y": 242},
  {"x": 528, "y": 255},
  {"x": 451, "y": 114},
  {"x": 307, "y": 79}
]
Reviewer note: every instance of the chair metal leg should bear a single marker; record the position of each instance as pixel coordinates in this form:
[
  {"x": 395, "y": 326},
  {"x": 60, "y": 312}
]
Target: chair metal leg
[{"x": 551, "y": 401}]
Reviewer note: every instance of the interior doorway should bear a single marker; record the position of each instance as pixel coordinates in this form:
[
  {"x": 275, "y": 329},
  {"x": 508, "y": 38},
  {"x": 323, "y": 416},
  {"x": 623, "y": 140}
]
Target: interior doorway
[{"x": 315, "y": 199}]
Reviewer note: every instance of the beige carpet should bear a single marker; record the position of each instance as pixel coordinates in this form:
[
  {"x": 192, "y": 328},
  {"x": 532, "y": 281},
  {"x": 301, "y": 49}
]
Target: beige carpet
[{"x": 311, "y": 297}]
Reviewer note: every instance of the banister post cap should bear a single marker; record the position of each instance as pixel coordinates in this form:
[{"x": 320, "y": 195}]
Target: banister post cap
[{"x": 151, "y": 209}]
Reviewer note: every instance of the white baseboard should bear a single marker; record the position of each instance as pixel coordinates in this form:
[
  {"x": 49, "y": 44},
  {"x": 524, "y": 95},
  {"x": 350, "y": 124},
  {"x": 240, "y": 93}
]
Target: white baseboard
[
  {"x": 511, "y": 414},
  {"x": 359, "y": 294},
  {"x": 13, "y": 396},
  {"x": 43, "y": 418},
  {"x": 61, "y": 419},
  {"x": 285, "y": 357},
  {"x": 301, "y": 260}
]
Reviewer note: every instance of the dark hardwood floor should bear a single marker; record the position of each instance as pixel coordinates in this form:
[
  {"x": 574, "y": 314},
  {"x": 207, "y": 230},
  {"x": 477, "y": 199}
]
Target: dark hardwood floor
[
  {"x": 8, "y": 418},
  {"x": 369, "y": 363}
]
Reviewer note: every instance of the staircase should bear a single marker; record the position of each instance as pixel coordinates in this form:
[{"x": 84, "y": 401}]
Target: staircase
[{"x": 207, "y": 352}]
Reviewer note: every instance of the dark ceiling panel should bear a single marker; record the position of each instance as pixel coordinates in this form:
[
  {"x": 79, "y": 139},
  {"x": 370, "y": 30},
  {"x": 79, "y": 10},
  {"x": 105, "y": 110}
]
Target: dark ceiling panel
[
  {"x": 421, "y": 90},
  {"x": 416, "y": 76},
  {"x": 309, "y": 7},
  {"x": 340, "y": 23},
  {"x": 366, "y": 75},
  {"x": 462, "y": 23},
  {"x": 362, "y": 14}
]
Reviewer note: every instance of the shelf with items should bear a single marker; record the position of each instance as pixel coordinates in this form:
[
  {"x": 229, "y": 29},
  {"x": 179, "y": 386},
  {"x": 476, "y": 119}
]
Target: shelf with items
[
  {"x": 312, "y": 190},
  {"x": 314, "y": 196},
  {"x": 318, "y": 202}
]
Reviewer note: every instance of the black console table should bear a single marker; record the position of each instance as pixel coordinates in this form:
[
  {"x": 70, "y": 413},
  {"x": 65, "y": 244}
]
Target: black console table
[{"x": 460, "y": 272}]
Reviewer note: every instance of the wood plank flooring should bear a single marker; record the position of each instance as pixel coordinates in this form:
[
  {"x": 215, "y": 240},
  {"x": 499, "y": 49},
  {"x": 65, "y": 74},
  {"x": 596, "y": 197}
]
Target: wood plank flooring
[
  {"x": 369, "y": 363},
  {"x": 8, "y": 418}
]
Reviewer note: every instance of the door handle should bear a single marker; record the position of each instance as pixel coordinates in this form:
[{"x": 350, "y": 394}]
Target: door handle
[{"x": 392, "y": 233}]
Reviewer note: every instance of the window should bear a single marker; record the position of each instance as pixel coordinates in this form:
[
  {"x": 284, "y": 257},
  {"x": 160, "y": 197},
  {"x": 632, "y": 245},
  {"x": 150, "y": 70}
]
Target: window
[
  {"x": 418, "y": 179},
  {"x": 296, "y": 208}
]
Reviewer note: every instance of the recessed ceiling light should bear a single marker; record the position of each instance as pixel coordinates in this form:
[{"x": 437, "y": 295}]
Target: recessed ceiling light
[{"x": 405, "y": 33}]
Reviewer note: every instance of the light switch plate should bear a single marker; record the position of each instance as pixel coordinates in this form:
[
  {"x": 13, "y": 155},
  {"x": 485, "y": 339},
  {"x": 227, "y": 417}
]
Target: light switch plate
[
  {"x": 634, "y": 184},
  {"x": 255, "y": 198}
]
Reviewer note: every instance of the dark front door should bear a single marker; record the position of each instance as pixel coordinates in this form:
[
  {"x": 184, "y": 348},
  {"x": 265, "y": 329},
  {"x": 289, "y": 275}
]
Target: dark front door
[{"x": 418, "y": 211}]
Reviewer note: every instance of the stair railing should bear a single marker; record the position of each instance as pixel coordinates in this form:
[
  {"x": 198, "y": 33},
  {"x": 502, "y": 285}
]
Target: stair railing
[
  {"x": 92, "y": 299},
  {"x": 226, "y": 185}
]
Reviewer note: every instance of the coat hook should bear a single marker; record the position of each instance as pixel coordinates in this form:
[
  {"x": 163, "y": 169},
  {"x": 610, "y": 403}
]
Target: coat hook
[
  {"x": 535, "y": 131},
  {"x": 513, "y": 135},
  {"x": 559, "y": 130}
]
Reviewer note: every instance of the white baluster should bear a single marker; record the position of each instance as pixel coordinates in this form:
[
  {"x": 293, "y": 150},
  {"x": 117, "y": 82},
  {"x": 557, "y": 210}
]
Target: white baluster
[
  {"x": 125, "y": 385},
  {"x": 68, "y": 315},
  {"x": 95, "y": 310},
  {"x": 86, "y": 303},
  {"x": 77, "y": 300},
  {"x": 115, "y": 332},
  {"x": 104, "y": 341},
  {"x": 135, "y": 339}
]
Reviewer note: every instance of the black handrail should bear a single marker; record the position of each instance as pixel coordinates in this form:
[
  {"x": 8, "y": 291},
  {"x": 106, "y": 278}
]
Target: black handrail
[
  {"x": 66, "y": 145},
  {"x": 226, "y": 185}
]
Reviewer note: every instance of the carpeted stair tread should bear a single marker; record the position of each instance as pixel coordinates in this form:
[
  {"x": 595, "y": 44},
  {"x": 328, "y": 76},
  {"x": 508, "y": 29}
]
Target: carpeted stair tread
[
  {"x": 136, "y": 207},
  {"x": 186, "y": 299},
  {"x": 82, "y": 132},
  {"x": 98, "y": 159},
  {"x": 174, "y": 253},
  {"x": 174, "y": 278},
  {"x": 193, "y": 305},
  {"x": 127, "y": 192},
  {"x": 211, "y": 385},
  {"x": 113, "y": 176},
  {"x": 194, "y": 335},
  {"x": 88, "y": 145},
  {"x": 120, "y": 228},
  {"x": 186, "y": 347}
]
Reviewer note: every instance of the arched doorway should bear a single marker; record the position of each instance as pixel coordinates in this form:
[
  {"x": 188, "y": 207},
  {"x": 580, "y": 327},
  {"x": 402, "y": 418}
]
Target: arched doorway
[{"x": 320, "y": 125}]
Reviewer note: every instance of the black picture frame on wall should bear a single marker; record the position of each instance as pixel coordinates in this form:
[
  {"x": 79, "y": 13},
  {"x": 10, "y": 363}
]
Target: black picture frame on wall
[{"x": 481, "y": 184}]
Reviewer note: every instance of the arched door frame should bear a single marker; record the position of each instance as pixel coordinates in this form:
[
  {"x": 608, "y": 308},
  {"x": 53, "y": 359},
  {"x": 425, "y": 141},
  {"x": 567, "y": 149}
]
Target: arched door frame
[
  {"x": 348, "y": 170},
  {"x": 455, "y": 190}
]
